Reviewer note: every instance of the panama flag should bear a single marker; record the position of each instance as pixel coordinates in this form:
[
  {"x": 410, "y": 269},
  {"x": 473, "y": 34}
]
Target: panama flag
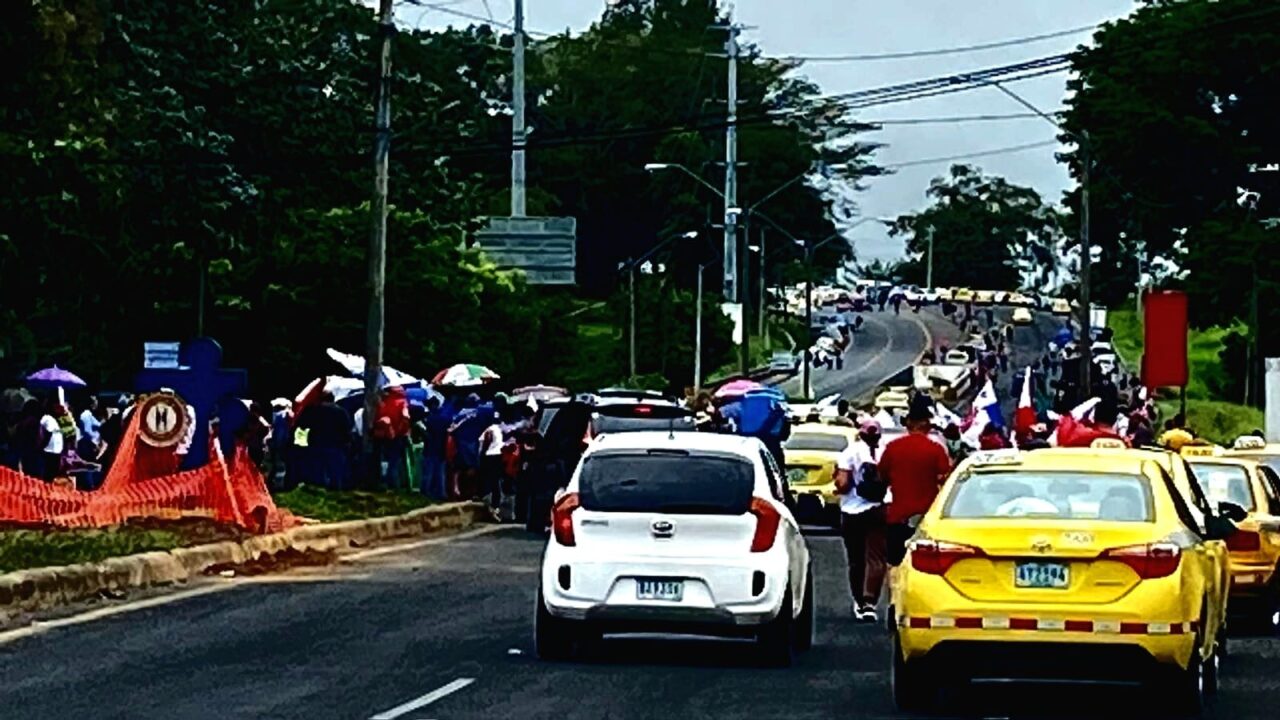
[
  {"x": 988, "y": 403},
  {"x": 1025, "y": 417}
]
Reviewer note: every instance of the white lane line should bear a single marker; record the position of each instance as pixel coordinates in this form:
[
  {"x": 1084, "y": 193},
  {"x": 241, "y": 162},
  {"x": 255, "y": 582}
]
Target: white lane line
[
  {"x": 375, "y": 552},
  {"x": 39, "y": 628},
  {"x": 425, "y": 700}
]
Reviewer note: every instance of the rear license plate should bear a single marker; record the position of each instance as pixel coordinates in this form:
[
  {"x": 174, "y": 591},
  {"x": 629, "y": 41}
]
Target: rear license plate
[
  {"x": 797, "y": 476},
  {"x": 672, "y": 590},
  {"x": 1041, "y": 575}
]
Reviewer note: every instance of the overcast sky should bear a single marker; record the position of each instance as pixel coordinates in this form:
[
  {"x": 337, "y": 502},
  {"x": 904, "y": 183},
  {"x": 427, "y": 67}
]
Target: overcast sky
[{"x": 842, "y": 27}]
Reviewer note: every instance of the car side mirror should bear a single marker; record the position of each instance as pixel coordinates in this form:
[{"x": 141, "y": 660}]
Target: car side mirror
[{"x": 1232, "y": 511}]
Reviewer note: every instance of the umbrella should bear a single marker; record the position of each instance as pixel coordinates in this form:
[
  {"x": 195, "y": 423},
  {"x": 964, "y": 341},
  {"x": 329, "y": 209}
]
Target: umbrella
[
  {"x": 354, "y": 364},
  {"x": 737, "y": 388},
  {"x": 539, "y": 393},
  {"x": 464, "y": 375},
  {"x": 12, "y": 400},
  {"x": 54, "y": 377}
]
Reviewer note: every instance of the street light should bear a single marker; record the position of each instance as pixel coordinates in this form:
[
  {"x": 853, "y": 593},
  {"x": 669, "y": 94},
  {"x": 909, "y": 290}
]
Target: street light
[{"x": 631, "y": 272}]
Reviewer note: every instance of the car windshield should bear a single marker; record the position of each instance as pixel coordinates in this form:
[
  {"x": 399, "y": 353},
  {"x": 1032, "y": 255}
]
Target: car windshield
[
  {"x": 1224, "y": 483},
  {"x": 1051, "y": 494},
  {"x": 817, "y": 442},
  {"x": 666, "y": 483}
]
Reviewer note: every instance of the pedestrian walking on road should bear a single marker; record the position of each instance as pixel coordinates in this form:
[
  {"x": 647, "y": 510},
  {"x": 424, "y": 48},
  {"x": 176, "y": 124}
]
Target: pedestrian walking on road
[
  {"x": 862, "y": 524},
  {"x": 914, "y": 467}
]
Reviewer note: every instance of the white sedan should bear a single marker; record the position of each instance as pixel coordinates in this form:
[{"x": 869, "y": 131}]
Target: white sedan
[{"x": 684, "y": 533}]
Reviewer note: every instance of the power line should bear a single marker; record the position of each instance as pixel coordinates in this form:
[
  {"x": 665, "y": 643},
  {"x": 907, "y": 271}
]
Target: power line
[
  {"x": 969, "y": 156},
  {"x": 953, "y": 120},
  {"x": 1011, "y": 42}
]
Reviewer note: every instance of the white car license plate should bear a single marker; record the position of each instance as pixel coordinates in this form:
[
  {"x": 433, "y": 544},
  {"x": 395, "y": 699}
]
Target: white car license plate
[
  {"x": 1041, "y": 575},
  {"x": 671, "y": 590}
]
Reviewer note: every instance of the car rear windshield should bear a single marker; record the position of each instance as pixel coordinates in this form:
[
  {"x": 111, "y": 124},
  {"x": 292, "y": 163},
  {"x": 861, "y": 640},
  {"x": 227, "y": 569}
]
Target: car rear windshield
[
  {"x": 1066, "y": 495},
  {"x": 1228, "y": 483},
  {"x": 618, "y": 423},
  {"x": 666, "y": 483},
  {"x": 819, "y": 442}
]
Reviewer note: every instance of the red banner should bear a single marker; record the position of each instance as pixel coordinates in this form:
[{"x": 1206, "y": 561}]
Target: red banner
[{"x": 1164, "y": 357}]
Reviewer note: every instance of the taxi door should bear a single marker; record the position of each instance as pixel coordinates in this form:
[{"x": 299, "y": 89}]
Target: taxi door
[
  {"x": 1268, "y": 512},
  {"x": 1217, "y": 557}
]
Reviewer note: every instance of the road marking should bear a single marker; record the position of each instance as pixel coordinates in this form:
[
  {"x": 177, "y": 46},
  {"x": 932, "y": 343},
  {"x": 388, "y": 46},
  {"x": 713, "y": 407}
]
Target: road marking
[
  {"x": 425, "y": 700},
  {"x": 405, "y": 547},
  {"x": 41, "y": 627}
]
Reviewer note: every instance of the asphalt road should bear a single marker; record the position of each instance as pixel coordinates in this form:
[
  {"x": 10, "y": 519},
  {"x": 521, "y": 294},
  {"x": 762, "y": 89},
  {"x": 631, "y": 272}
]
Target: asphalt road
[
  {"x": 886, "y": 345},
  {"x": 444, "y": 632}
]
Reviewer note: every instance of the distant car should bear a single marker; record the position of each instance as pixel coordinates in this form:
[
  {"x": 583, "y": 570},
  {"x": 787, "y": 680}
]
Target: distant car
[
  {"x": 962, "y": 295},
  {"x": 945, "y": 294},
  {"x": 784, "y": 361},
  {"x": 812, "y": 452},
  {"x": 984, "y": 297},
  {"x": 1017, "y": 299},
  {"x": 1060, "y": 306},
  {"x": 1022, "y": 316},
  {"x": 1001, "y": 297},
  {"x": 685, "y": 533}
]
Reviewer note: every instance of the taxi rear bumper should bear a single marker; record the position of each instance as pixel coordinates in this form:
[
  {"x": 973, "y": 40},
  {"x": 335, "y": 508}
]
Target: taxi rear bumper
[{"x": 1037, "y": 661}]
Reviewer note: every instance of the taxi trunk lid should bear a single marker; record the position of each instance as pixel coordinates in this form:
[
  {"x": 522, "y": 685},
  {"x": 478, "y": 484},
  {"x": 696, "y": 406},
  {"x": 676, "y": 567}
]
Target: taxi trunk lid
[
  {"x": 810, "y": 468},
  {"x": 1032, "y": 561}
]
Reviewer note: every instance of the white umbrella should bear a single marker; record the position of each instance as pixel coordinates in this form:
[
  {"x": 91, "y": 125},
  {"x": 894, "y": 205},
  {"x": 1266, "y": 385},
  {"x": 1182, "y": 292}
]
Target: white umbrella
[{"x": 354, "y": 364}]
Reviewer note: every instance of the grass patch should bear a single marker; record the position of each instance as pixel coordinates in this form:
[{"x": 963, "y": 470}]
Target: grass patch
[
  {"x": 337, "y": 506},
  {"x": 27, "y": 547}
]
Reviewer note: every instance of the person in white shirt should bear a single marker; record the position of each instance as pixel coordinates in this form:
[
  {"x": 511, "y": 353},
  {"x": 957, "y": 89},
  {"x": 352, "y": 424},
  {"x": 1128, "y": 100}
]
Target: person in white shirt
[
  {"x": 491, "y": 441},
  {"x": 862, "y": 524},
  {"x": 51, "y": 432}
]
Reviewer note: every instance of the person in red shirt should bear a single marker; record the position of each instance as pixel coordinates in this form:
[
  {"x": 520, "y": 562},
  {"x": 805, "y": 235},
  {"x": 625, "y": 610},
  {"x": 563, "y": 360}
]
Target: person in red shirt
[{"x": 915, "y": 467}]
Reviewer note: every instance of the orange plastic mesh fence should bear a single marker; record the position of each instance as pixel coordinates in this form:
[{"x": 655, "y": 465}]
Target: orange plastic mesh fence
[{"x": 234, "y": 493}]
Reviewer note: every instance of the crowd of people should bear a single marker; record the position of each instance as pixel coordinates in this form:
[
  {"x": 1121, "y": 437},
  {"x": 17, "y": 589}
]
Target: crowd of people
[{"x": 53, "y": 439}]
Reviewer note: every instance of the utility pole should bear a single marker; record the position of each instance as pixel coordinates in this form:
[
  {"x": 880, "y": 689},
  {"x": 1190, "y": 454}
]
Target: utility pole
[
  {"x": 631, "y": 272},
  {"x": 1086, "y": 269},
  {"x": 808, "y": 320},
  {"x": 929, "y": 272},
  {"x": 518, "y": 136},
  {"x": 731, "y": 271},
  {"x": 378, "y": 237},
  {"x": 697, "y": 336},
  {"x": 764, "y": 326}
]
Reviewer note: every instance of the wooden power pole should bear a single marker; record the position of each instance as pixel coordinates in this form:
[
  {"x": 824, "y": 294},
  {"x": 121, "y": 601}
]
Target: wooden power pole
[{"x": 378, "y": 236}]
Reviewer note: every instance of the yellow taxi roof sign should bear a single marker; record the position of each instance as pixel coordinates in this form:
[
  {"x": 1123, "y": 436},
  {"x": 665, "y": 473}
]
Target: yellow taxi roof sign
[
  {"x": 1108, "y": 444},
  {"x": 988, "y": 458},
  {"x": 1200, "y": 450},
  {"x": 1249, "y": 442}
]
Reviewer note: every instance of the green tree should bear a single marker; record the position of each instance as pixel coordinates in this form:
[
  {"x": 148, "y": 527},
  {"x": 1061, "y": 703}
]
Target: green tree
[{"x": 983, "y": 229}]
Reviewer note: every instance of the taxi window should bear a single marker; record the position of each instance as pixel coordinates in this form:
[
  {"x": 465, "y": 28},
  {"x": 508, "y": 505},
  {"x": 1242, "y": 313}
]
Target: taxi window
[
  {"x": 1271, "y": 485},
  {"x": 1225, "y": 483},
  {"x": 817, "y": 442},
  {"x": 1109, "y": 497},
  {"x": 1272, "y": 463},
  {"x": 1196, "y": 519}
]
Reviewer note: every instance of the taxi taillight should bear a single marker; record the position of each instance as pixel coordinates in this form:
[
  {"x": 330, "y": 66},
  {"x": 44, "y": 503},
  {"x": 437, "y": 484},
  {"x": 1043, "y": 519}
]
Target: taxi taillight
[
  {"x": 1150, "y": 561},
  {"x": 935, "y": 557},
  {"x": 562, "y": 519},
  {"x": 1244, "y": 541}
]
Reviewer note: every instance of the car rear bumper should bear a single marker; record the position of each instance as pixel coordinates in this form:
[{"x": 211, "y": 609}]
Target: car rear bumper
[
  {"x": 719, "y": 594},
  {"x": 1034, "y": 661},
  {"x": 1251, "y": 579}
]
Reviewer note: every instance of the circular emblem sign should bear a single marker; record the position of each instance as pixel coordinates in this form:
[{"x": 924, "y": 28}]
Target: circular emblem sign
[{"x": 163, "y": 420}]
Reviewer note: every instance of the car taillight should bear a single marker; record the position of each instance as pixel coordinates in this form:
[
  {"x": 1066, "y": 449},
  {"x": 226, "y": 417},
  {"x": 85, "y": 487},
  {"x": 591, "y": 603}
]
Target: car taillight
[
  {"x": 935, "y": 557},
  {"x": 1151, "y": 561},
  {"x": 1244, "y": 541},
  {"x": 767, "y": 520},
  {"x": 562, "y": 519}
]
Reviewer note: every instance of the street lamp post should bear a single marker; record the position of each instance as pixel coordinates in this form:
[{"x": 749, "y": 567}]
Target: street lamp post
[{"x": 631, "y": 271}]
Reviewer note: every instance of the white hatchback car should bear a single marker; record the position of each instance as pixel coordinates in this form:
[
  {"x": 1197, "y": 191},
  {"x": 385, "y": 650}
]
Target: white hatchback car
[{"x": 680, "y": 533}]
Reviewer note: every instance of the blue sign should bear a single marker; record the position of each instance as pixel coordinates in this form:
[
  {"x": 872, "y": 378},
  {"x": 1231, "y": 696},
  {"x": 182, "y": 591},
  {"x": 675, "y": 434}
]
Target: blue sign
[{"x": 209, "y": 389}]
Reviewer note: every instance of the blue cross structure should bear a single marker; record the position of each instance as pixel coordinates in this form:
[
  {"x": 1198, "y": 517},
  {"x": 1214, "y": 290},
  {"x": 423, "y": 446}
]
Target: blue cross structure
[{"x": 211, "y": 390}]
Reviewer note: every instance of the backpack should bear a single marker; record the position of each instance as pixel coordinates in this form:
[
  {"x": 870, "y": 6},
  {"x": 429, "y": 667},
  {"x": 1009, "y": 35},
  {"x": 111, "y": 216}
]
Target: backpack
[{"x": 871, "y": 487}]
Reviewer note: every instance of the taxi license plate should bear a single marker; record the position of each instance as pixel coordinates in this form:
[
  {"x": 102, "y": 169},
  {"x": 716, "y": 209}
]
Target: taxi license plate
[
  {"x": 797, "y": 476},
  {"x": 671, "y": 590},
  {"x": 1041, "y": 575}
]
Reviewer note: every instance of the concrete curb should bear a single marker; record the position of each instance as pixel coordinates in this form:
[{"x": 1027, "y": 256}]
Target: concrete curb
[{"x": 50, "y": 587}]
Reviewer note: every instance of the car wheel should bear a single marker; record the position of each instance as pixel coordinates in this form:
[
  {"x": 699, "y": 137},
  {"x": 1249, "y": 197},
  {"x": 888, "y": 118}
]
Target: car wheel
[
  {"x": 1186, "y": 697},
  {"x": 912, "y": 691},
  {"x": 777, "y": 637},
  {"x": 553, "y": 636},
  {"x": 805, "y": 622}
]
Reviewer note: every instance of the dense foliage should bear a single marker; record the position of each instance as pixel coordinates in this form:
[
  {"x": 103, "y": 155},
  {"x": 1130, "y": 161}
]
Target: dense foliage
[
  {"x": 1178, "y": 101},
  {"x": 204, "y": 166},
  {"x": 985, "y": 232}
]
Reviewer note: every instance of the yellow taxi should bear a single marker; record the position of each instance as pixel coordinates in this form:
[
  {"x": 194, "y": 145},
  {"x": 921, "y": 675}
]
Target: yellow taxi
[
  {"x": 1256, "y": 448},
  {"x": 984, "y": 297},
  {"x": 962, "y": 295},
  {"x": 1022, "y": 316},
  {"x": 811, "y": 454},
  {"x": 1061, "y": 565},
  {"x": 1061, "y": 307},
  {"x": 1248, "y": 489}
]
